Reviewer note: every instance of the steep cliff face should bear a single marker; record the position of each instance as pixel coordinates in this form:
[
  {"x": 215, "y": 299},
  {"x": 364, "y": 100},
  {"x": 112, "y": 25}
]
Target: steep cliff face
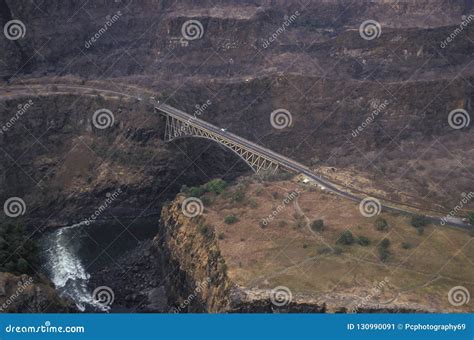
[
  {"x": 198, "y": 280},
  {"x": 318, "y": 67},
  {"x": 24, "y": 294},
  {"x": 254, "y": 248},
  {"x": 65, "y": 168},
  {"x": 191, "y": 253}
]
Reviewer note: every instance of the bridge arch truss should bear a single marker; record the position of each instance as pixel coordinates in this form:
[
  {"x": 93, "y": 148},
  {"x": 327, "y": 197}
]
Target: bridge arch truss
[{"x": 178, "y": 127}]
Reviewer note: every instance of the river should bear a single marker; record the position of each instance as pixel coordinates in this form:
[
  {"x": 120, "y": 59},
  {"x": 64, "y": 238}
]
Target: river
[{"x": 71, "y": 254}]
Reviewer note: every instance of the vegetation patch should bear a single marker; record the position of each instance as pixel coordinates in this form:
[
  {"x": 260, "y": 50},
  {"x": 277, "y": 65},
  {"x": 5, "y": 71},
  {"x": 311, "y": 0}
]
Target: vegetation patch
[
  {"x": 18, "y": 254},
  {"x": 346, "y": 238},
  {"x": 231, "y": 219}
]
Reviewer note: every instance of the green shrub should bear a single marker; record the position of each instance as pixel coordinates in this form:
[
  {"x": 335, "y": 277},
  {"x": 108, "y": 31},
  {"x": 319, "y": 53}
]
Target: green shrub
[
  {"x": 324, "y": 250},
  {"x": 363, "y": 241},
  {"x": 317, "y": 225},
  {"x": 196, "y": 191},
  {"x": 253, "y": 203},
  {"x": 381, "y": 224},
  {"x": 231, "y": 219},
  {"x": 385, "y": 243},
  {"x": 406, "y": 245},
  {"x": 238, "y": 196},
  {"x": 346, "y": 238},
  {"x": 419, "y": 221},
  {"x": 221, "y": 236},
  {"x": 216, "y": 186},
  {"x": 18, "y": 253},
  {"x": 384, "y": 253},
  {"x": 471, "y": 218},
  {"x": 205, "y": 230}
]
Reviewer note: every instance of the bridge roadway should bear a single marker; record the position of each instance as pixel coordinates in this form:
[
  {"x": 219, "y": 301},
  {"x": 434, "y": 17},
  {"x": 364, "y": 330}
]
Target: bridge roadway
[
  {"x": 280, "y": 159},
  {"x": 285, "y": 162}
]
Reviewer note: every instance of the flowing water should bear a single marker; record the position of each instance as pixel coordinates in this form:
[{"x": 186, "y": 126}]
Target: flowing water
[{"x": 72, "y": 254}]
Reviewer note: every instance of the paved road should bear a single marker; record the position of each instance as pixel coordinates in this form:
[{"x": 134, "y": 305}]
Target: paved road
[
  {"x": 283, "y": 161},
  {"x": 289, "y": 164}
]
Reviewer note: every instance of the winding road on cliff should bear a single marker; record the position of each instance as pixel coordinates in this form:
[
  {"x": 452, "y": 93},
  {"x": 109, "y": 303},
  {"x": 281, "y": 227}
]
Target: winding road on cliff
[{"x": 284, "y": 162}]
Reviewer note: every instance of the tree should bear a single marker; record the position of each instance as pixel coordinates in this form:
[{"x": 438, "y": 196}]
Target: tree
[
  {"x": 216, "y": 186},
  {"x": 383, "y": 249},
  {"x": 419, "y": 221},
  {"x": 381, "y": 224},
  {"x": 346, "y": 238},
  {"x": 317, "y": 225},
  {"x": 231, "y": 219},
  {"x": 363, "y": 241},
  {"x": 471, "y": 218}
]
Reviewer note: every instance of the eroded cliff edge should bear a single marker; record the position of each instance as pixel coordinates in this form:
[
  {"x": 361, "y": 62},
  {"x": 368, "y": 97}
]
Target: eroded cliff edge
[
  {"x": 198, "y": 280},
  {"x": 220, "y": 264}
]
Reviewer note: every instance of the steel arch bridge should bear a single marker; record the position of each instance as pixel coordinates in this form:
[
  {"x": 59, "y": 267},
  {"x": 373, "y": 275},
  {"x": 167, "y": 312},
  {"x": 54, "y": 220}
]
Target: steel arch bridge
[{"x": 180, "y": 124}]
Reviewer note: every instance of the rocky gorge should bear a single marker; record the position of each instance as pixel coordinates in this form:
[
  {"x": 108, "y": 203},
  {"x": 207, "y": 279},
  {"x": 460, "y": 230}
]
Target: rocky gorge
[{"x": 253, "y": 57}]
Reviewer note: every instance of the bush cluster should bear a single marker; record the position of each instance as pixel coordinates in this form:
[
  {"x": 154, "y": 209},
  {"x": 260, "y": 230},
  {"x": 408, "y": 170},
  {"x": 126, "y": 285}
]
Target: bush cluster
[{"x": 18, "y": 253}]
